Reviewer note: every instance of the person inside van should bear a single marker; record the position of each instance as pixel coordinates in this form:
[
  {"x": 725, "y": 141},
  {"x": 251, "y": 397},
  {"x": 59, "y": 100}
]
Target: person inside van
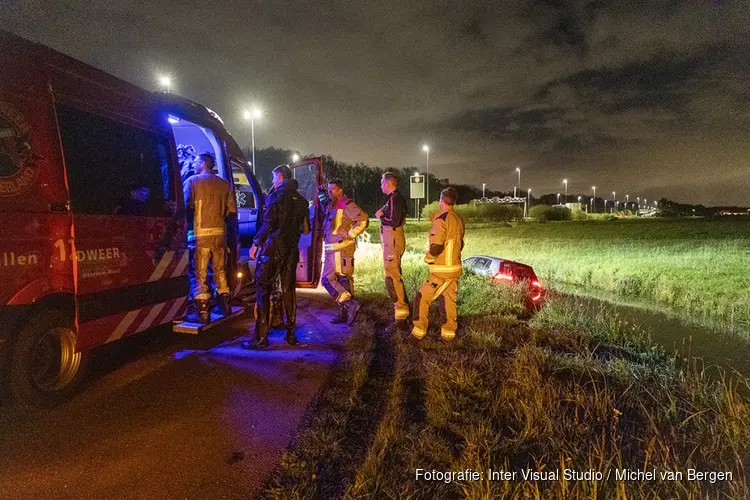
[{"x": 136, "y": 202}]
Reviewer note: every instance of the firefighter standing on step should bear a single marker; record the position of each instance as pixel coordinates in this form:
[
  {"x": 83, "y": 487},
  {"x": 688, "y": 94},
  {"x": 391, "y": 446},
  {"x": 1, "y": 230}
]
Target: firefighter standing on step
[
  {"x": 211, "y": 208},
  {"x": 343, "y": 222},
  {"x": 276, "y": 249},
  {"x": 444, "y": 261},
  {"x": 392, "y": 218}
]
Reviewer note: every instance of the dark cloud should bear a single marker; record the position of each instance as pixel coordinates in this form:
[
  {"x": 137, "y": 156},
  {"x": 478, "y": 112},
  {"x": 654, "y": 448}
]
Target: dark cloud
[
  {"x": 664, "y": 81},
  {"x": 636, "y": 95}
]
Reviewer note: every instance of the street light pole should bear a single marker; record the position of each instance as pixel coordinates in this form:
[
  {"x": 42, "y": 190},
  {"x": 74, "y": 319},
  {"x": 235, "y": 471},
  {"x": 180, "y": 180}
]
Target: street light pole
[
  {"x": 614, "y": 196},
  {"x": 518, "y": 169},
  {"x": 426, "y": 149},
  {"x": 252, "y": 134},
  {"x": 558, "y": 198},
  {"x": 528, "y": 203},
  {"x": 252, "y": 115},
  {"x": 593, "y": 200},
  {"x": 484, "y": 186},
  {"x": 565, "y": 181}
]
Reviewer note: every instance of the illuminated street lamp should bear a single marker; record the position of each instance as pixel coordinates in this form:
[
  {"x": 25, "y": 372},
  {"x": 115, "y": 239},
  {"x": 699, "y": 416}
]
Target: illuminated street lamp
[
  {"x": 165, "y": 82},
  {"x": 484, "y": 186},
  {"x": 252, "y": 115},
  {"x": 295, "y": 158},
  {"x": 558, "y": 198},
  {"x": 614, "y": 201},
  {"x": 426, "y": 149},
  {"x": 565, "y": 181}
]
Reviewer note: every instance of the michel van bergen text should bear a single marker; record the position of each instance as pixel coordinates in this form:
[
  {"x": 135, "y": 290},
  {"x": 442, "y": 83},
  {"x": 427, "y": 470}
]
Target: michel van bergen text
[{"x": 573, "y": 475}]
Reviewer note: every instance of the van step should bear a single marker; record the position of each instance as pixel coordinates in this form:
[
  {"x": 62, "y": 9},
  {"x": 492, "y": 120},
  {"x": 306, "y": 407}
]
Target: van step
[{"x": 191, "y": 328}]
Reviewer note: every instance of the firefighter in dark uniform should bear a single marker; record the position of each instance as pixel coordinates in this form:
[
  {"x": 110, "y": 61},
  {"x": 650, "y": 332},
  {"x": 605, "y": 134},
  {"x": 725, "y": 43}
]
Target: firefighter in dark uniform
[
  {"x": 392, "y": 218},
  {"x": 343, "y": 222},
  {"x": 444, "y": 261},
  {"x": 276, "y": 249},
  {"x": 211, "y": 209}
]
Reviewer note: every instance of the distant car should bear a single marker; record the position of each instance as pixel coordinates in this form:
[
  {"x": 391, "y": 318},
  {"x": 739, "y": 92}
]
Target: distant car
[{"x": 508, "y": 271}]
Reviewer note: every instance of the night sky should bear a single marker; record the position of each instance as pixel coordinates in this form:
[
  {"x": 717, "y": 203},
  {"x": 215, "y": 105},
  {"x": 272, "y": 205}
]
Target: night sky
[{"x": 646, "y": 98}]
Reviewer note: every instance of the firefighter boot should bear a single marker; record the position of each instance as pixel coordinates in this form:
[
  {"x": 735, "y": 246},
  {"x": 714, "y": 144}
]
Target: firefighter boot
[
  {"x": 260, "y": 337},
  {"x": 341, "y": 317},
  {"x": 223, "y": 303},
  {"x": 290, "y": 337},
  {"x": 202, "y": 312},
  {"x": 352, "y": 309}
]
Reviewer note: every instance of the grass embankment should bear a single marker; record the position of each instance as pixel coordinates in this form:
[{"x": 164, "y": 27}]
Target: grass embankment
[
  {"x": 561, "y": 391},
  {"x": 696, "y": 266}
]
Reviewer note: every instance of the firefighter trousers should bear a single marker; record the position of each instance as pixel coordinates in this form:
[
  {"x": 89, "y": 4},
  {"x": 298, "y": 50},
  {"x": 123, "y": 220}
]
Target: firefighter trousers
[
  {"x": 267, "y": 270},
  {"x": 199, "y": 259},
  {"x": 338, "y": 271},
  {"x": 394, "y": 244},
  {"x": 443, "y": 290}
]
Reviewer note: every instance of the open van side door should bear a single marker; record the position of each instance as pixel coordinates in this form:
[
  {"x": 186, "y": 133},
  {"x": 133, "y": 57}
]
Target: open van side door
[
  {"x": 249, "y": 203},
  {"x": 309, "y": 175}
]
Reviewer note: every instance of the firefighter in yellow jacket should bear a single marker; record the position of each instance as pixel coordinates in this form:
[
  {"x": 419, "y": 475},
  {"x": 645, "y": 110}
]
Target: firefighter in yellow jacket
[
  {"x": 444, "y": 261},
  {"x": 343, "y": 221}
]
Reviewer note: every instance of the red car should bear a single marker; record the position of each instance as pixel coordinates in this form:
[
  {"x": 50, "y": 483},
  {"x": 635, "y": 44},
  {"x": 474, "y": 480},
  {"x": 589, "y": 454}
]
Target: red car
[{"x": 508, "y": 271}]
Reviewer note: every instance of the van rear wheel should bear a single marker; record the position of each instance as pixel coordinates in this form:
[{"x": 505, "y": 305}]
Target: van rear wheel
[{"x": 45, "y": 367}]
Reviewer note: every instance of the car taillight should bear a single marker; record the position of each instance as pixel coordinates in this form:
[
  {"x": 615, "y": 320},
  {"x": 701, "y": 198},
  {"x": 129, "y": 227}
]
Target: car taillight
[
  {"x": 502, "y": 277},
  {"x": 538, "y": 289}
]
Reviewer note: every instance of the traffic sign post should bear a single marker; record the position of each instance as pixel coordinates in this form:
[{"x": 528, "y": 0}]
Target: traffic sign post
[{"x": 416, "y": 191}]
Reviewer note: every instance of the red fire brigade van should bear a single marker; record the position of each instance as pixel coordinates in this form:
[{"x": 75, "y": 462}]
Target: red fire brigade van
[{"x": 92, "y": 222}]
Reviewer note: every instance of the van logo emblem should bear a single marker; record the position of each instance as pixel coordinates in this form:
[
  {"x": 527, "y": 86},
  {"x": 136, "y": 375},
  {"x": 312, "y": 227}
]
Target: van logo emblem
[{"x": 17, "y": 169}]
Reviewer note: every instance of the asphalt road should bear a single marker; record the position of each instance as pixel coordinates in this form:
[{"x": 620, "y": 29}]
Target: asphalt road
[{"x": 170, "y": 416}]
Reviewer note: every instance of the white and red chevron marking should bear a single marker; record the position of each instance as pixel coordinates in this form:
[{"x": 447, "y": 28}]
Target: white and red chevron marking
[
  {"x": 141, "y": 319},
  {"x": 181, "y": 266}
]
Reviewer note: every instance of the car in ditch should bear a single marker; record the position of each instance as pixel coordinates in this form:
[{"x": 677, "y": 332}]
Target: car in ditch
[{"x": 504, "y": 271}]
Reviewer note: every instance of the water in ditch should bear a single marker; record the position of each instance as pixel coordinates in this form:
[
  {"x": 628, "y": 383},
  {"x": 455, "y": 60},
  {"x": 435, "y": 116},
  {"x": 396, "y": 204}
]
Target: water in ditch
[{"x": 715, "y": 344}]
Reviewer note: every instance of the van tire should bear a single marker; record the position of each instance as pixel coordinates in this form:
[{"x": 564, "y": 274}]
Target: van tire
[{"x": 45, "y": 369}]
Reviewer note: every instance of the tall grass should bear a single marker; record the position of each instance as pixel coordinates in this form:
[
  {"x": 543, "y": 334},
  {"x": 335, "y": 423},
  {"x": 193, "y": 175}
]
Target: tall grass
[
  {"x": 565, "y": 390},
  {"x": 699, "y": 267}
]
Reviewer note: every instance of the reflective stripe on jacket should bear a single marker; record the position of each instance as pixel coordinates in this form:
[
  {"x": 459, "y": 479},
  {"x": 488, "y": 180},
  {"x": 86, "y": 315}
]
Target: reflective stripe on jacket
[
  {"x": 210, "y": 199},
  {"x": 342, "y": 223},
  {"x": 446, "y": 243}
]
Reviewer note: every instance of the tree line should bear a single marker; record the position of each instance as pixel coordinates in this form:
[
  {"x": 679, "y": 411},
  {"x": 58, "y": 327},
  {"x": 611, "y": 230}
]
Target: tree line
[
  {"x": 362, "y": 184},
  {"x": 362, "y": 181}
]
